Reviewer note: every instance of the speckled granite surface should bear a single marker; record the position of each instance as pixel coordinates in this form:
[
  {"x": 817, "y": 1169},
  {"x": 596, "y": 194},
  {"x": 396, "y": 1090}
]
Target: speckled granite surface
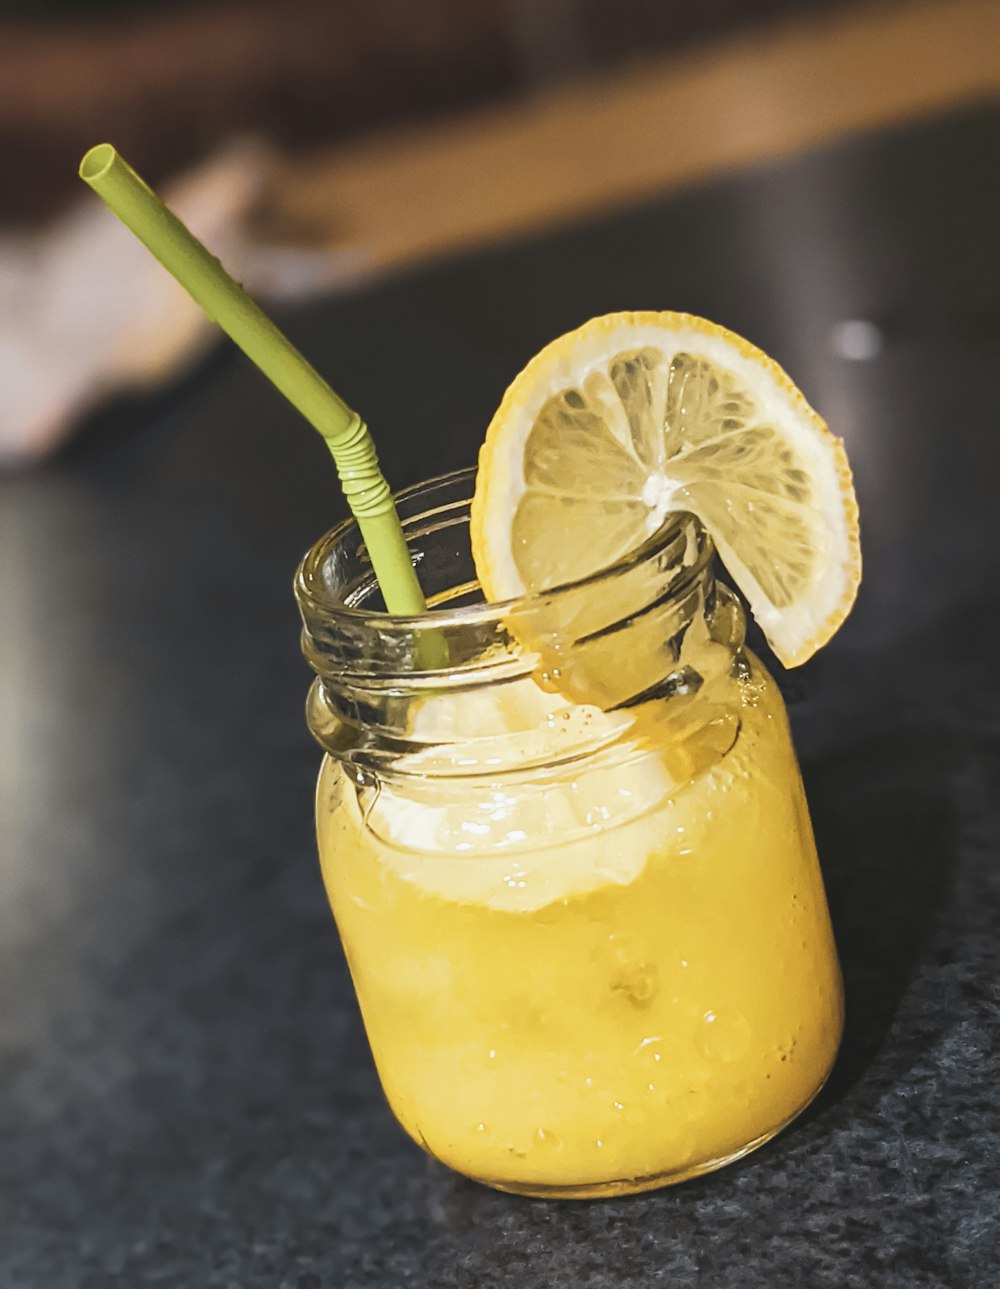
[{"x": 186, "y": 1095}]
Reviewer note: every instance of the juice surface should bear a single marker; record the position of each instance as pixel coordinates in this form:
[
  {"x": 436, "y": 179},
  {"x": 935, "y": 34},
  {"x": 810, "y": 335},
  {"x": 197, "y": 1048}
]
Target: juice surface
[{"x": 634, "y": 1005}]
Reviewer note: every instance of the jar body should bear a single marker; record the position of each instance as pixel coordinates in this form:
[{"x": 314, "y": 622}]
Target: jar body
[
  {"x": 568, "y": 852},
  {"x": 670, "y": 1009}
]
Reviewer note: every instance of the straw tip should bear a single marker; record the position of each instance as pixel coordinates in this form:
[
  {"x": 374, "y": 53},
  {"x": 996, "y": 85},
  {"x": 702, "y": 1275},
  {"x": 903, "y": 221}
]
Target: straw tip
[{"x": 97, "y": 162}]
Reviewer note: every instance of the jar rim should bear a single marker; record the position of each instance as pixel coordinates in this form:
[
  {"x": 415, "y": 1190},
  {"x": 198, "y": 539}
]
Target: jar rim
[{"x": 310, "y": 584}]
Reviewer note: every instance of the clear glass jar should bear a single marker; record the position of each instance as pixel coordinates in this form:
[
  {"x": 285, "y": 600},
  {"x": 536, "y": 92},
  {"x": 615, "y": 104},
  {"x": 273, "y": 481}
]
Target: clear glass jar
[{"x": 568, "y": 852}]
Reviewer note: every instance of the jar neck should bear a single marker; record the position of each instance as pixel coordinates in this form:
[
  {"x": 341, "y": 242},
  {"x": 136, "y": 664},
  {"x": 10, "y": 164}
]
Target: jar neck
[{"x": 649, "y": 629}]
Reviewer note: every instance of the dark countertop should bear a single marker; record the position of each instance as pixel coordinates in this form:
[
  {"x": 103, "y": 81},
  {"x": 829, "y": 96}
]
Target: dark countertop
[{"x": 186, "y": 1094}]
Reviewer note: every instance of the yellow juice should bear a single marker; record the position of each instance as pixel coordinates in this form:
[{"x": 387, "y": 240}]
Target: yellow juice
[{"x": 612, "y": 980}]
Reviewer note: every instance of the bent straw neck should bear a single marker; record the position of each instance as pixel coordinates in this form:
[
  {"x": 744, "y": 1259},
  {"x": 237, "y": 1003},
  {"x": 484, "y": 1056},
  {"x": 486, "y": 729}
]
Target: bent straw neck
[{"x": 368, "y": 494}]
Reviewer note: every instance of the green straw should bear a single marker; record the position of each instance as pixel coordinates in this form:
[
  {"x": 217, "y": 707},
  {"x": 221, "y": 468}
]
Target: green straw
[{"x": 225, "y": 301}]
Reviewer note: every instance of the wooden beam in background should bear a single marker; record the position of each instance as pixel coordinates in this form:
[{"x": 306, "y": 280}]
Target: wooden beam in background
[{"x": 431, "y": 190}]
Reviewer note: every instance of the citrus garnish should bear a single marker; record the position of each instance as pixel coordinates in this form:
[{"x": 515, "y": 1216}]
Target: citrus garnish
[{"x": 635, "y": 415}]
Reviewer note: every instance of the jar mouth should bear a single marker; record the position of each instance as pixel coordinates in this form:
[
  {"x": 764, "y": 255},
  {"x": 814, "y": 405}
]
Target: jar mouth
[
  {"x": 680, "y": 541},
  {"x": 648, "y": 625}
]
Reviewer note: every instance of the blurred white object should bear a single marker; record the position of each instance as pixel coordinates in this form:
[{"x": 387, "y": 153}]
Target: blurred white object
[
  {"x": 857, "y": 340},
  {"x": 85, "y": 310}
]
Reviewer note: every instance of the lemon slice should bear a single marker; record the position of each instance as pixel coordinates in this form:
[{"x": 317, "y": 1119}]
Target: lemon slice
[{"x": 635, "y": 415}]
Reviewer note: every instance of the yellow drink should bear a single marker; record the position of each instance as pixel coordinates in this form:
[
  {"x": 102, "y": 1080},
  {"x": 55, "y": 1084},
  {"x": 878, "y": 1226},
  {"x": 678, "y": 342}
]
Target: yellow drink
[
  {"x": 611, "y": 981},
  {"x": 572, "y": 868}
]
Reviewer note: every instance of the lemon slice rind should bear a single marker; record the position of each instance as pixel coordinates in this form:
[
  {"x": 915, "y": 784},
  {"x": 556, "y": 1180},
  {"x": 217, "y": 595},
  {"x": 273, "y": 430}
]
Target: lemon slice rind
[{"x": 822, "y": 562}]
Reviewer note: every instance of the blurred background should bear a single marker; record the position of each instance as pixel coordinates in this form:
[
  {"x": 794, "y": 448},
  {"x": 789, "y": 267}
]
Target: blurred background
[
  {"x": 424, "y": 193},
  {"x": 317, "y": 143}
]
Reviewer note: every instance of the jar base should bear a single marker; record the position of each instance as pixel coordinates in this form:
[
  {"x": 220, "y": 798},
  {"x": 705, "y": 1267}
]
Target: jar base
[{"x": 654, "y": 1181}]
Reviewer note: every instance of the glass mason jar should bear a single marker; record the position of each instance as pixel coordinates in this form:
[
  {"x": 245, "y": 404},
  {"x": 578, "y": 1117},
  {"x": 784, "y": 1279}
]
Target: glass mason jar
[{"x": 567, "y": 849}]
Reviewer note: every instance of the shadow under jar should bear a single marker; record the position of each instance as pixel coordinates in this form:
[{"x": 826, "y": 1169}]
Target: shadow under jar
[{"x": 567, "y": 849}]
